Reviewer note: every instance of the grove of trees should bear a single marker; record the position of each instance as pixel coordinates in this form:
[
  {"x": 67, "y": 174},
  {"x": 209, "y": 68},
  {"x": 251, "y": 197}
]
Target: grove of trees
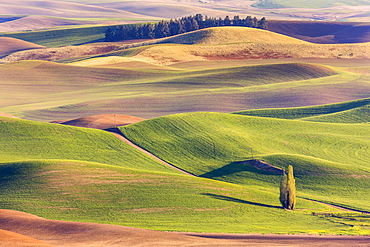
[
  {"x": 288, "y": 190},
  {"x": 164, "y": 29}
]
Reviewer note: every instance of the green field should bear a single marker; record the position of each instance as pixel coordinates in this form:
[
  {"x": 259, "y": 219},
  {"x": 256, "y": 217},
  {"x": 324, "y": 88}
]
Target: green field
[
  {"x": 65, "y": 182},
  {"x": 211, "y": 113},
  {"x": 347, "y": 112},
  {"x": 213, "y": 145},
  {"x": 23, "y": 140}
]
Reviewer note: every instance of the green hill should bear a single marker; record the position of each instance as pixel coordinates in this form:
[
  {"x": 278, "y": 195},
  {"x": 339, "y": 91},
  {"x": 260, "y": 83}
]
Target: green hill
[
  {"x": 77, "y": 174},
  {"x": 330, "y": 160},
  {"x": 356, "y": 111},
  {"x": 91, "y": 192},
  {"x": 23, "y": 140}
]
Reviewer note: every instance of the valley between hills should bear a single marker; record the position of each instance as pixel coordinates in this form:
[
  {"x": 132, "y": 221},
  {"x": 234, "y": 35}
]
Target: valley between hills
[{"x": 182, "y": 140}]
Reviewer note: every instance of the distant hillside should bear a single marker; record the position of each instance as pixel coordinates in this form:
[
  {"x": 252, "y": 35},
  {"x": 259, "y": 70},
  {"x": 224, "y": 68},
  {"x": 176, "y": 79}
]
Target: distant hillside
[
  {"x": 10, "y": 45},
  {"x": 62, "y": 9},
  {"x": 323, "y": 32},
  {"x": 230, "y": 35},
  {"x": 357, "y": 111},
  {"x": 248, "y": 43},
  {"x": 36, "y": 22},
  {"x": 273, "y": 4}
]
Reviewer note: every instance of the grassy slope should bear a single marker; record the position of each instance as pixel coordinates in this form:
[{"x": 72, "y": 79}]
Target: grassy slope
[
  {"x": 48, "y": 174},
  {"x": 347, "y": 112},
  {"x": 90, "y": 192},
  {"x": 209, "y": 144},
  {"x": 34, "y": 141}
]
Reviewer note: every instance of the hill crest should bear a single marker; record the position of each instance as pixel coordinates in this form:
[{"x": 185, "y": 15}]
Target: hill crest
[
  {"x": 102, "y": 121},
  {"x": 227, "y": 35},
  {"x": 9, "y": 45}
]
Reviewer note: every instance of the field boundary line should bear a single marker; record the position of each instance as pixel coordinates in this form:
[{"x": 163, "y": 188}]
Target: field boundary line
[
  {"x": 116, "y": 132},
  {"x": 339, "y": 207}
]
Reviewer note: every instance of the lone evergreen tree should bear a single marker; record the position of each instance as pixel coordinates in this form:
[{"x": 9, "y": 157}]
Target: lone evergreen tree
[{"x": 288, "y": 190}]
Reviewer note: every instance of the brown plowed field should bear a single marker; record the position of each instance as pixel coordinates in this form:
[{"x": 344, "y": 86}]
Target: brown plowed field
[{"x": 64, "y": 233}]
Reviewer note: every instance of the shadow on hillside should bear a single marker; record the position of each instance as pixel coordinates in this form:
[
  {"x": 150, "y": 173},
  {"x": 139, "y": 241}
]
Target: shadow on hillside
[
  {"x": 239, "y": 166},
  {"x": 232, "y": 199}
]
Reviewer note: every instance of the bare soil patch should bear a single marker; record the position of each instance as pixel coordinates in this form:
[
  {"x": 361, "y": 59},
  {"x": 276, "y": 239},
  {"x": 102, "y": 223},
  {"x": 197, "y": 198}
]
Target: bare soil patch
[
  {"x": 14, "y": 239},
  {"x": 103, "y": 121},
  {"x": 65, "y": 233},
  {"x": 3, "y": 114},
  {"x": 10, "y": 45}
]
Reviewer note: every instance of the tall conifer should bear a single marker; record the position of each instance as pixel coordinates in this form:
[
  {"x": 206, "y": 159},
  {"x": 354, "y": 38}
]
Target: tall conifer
[{"x": 288, "y": 190}]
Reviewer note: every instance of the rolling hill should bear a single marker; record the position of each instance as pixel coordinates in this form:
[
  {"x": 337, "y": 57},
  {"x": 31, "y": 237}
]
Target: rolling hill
[
  {"x": 323, "y": 32},
  {"x": 10, "y": 45},
  {"x": 346, "y": 112},
  {"x": 230, "y": 35},
  {"x": 304, "y": 4},
  {"x": 89, "y": 175},
  {"x": 62, "y": 9},
  {"x": 69, "y": 144},
  {"x": 216, "y": 145},
  {"x": 231, "y": 43},
  {"x": 103, "y": 121},
  {"x": 28, "y": 23},
  {"x": 222, "y": 43},
  {"x": 69, "y": 92}
]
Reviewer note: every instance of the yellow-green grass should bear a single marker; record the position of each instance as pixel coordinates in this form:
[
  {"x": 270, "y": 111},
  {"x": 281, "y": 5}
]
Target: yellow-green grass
[
  {"x": 77, "y": 174},
  {"x": 347, "y": 112},
  {"x": 23, "y": 140},
  {"x": 91, "y": 192},
  {"x": 331, "y": 160},
  {"x": 52, "y": 91}
]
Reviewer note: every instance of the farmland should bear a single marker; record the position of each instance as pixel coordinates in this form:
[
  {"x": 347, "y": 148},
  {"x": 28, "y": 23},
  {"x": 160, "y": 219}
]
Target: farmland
[
  {"x": 75, "y": 186},
  {"x": 231, "y": 107}
]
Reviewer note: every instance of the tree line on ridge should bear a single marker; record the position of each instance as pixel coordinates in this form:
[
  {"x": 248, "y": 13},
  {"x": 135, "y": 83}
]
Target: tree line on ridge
[{"x": 164, "y": 29}]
